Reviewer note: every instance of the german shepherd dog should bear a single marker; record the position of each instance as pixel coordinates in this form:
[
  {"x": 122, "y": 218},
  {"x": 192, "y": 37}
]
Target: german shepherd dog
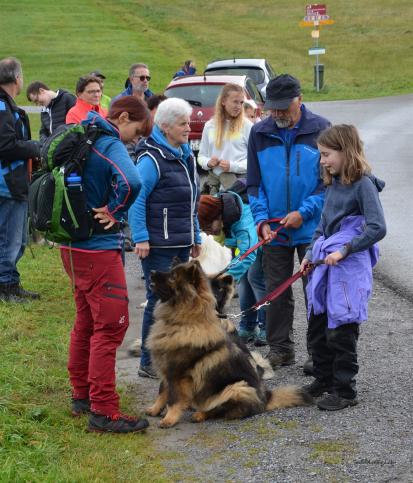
[{"x": 200, "y": 366}]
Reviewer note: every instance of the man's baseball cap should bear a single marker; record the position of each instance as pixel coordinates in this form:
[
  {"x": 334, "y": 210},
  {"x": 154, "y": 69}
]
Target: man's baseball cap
[
  {"x": 281, "y": 91},
  {"x": 99, "y": 74}
]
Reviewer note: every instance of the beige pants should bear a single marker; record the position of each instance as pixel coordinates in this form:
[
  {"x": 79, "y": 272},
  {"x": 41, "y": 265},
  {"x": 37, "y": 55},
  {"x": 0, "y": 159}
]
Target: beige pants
[{"x": 226, "y": 180}]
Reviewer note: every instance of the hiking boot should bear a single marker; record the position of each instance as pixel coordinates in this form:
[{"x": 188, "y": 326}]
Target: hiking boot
[
  {"x": 117, "y": 423},
  {"x": 308, "y": 368},
  {"x": 147, "y": 371},
  {"x": 27, "y": 294},
  {"x": 277, "y": 359},
  {"x": 246, "y": 336},
  {"x": 261, "y": 338},
  {"x": 8, "y": 294},
  {"x": 80, "y": 406},
  {"x": 316, "y": 388},
  {"x": 334, "y": 402}
]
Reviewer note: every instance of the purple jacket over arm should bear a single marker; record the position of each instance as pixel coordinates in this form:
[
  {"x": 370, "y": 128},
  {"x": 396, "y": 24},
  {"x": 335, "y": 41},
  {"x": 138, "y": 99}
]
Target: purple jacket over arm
[{"x": 342, "y": 290}]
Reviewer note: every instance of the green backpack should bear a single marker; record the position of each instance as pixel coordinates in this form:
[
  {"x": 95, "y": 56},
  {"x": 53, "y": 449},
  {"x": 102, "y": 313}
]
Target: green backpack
[{"x": 57, "y": 200}]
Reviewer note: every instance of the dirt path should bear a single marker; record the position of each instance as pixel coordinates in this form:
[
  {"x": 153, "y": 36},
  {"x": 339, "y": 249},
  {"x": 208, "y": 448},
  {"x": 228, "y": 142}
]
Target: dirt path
[{"x": 371, "y": 442}]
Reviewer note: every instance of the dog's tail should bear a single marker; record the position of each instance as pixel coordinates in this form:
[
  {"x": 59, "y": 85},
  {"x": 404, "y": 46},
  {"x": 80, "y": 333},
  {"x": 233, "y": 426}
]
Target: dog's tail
[
  {"x": 287, "y": 397},
  {"x": 263, "y": 364}
]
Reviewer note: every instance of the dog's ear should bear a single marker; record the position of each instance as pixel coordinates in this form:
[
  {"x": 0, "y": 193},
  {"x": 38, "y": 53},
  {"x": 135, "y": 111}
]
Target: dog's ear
[
  {"x": 176, "y": 261},
  {"x": 194, "y": 272},
  {"x": 226, "y": 279}
]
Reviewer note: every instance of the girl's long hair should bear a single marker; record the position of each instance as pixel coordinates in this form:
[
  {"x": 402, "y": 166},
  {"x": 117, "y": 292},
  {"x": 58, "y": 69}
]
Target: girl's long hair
[
  {"x": 235, "y": 124},
  {"x": 345, "y": 139}
]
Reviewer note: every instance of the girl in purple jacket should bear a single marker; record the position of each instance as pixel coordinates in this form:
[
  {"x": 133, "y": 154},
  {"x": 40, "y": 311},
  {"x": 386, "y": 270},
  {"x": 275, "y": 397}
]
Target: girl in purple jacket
[{"x": 338, "y": 289}]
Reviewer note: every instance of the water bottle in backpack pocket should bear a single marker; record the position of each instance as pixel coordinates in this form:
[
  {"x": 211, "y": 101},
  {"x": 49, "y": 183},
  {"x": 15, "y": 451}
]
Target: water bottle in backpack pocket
[
  {"x": 58, "y": 206},
  {"x": 75, "y": 218}
]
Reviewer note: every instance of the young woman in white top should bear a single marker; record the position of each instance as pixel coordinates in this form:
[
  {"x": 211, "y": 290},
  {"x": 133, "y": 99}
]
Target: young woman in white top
[{"x": 223, "y": 150}]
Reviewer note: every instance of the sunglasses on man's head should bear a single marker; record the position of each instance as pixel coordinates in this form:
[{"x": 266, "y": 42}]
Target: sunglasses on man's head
[{"x": 142, "y": 77}]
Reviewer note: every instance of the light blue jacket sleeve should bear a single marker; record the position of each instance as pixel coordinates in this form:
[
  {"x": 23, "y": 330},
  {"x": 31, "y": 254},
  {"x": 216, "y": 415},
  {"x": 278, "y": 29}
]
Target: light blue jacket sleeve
[
  {"x": 137, "y": 214},
  {"x": 243, "y": 237}
]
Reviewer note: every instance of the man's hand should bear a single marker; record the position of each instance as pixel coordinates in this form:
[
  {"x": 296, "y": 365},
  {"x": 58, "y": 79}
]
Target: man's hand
[
  {"x": 292, "y": 220},
  {"x": 224, "y": 164},
  {"x": 214, "y": 161},
  {"x": 104, "y": 217},
  {"x": 195, "y": 251},
  {"x": 265, "y": 232},
  {"x": 333, "y": 258},
  {"x": 142, "y": 249}
]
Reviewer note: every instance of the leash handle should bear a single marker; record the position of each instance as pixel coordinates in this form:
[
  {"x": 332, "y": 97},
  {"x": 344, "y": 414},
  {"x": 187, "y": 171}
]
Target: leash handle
[{"x": 275, "y": 235}]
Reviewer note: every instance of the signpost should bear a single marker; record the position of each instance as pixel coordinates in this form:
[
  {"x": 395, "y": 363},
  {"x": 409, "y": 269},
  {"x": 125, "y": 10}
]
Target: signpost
[{"x": 315, "y": 16}]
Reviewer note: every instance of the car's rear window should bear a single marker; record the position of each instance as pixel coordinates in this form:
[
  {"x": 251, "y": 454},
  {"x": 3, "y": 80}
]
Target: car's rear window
[
  {"x": 202, "y": 95},
  {"x": 254, "y": 73}
]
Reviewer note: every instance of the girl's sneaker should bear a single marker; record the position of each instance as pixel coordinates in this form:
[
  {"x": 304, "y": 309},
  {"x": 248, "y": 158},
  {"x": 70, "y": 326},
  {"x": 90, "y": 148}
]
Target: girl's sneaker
[
  {"x": 261, "y": 338},
  {"x": 246, "y": 336}
]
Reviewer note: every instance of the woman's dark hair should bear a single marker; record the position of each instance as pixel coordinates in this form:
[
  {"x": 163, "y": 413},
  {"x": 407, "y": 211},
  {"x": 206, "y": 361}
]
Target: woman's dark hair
[
  {"x": 154, "y": 101},
  {"x": 84, "y": 81},
  {"x": 137, "y": 110},
  {"x": 209, "y": 209}
]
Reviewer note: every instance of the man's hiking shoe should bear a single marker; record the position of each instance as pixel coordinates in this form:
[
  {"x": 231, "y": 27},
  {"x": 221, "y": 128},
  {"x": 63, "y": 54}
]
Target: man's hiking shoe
[
  {"x": 316, "y": 388},
  {"x": 308, "y": 368},
  {"x": 261, "y": 338},
  {"x": 27, "y": 294},
  {"x": 334, "y": 402},
  {"x": 80, "y": 406},
  {"x": 246, "y": 336},
  {"x": 147, "y": 371},
  {"x": 11, "y": 292},
  {"x": 277, "y": 359},
  {"x": 117, "y": 423}
]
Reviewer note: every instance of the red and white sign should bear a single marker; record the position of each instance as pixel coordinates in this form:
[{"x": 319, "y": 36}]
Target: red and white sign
[{"x": 316, "y": 9}]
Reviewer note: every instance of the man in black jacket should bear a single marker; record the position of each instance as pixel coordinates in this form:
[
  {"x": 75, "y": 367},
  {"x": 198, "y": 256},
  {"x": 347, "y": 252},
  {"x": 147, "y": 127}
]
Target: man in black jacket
[
  {"x": 55, "y": 105},
  {"x": 16, "y": 151}
]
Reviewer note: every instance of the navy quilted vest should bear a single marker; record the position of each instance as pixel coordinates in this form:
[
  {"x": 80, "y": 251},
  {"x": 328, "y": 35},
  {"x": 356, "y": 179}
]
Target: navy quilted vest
[{"x": 172, "y": 205}]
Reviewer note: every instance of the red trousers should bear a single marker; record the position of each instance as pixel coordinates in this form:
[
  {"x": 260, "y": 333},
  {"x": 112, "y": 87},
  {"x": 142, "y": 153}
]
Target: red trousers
[{"x": 102, "y": 318}]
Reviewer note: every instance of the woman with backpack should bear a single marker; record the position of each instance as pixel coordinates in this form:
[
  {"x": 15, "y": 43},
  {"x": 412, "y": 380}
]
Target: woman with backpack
[{"x": 111, "y": 184}]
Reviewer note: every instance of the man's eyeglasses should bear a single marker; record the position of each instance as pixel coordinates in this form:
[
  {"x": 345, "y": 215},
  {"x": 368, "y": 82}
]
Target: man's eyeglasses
[
  {"x": 142, "y": 77},
  {"x": 95, "y": 91}
]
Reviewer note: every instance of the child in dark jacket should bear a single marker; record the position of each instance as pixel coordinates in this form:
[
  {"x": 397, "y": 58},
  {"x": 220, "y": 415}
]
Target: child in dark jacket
[{"x": 352, "y": 222}]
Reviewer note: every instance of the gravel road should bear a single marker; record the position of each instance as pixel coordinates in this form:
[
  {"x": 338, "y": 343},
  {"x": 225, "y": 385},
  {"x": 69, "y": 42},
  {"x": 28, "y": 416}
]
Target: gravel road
[{"x": 371, "y": 442}]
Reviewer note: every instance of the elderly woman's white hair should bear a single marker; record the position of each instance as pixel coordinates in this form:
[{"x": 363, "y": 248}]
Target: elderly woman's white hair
[{"x": 170, "y": 110}]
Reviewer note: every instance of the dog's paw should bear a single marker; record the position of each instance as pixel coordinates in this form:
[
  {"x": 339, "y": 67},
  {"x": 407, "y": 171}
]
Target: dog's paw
[
  {"x": 153, "y": 411},
  {"x": 167, "y": 423},
  {"x": 198, "y": 417}
]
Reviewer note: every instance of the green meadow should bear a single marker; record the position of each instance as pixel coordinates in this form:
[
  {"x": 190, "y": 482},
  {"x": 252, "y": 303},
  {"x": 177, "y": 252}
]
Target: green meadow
[
  {"x": 369, "y": 54},
  {"x": 369, "y": 49}
]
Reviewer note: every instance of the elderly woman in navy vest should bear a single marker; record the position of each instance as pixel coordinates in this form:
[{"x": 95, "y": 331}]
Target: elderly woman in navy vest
[{"x": 163, "y": 219}]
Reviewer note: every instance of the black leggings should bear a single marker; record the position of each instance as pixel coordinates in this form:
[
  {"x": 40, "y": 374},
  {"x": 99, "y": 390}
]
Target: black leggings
[{"x": 334, "y": 354}]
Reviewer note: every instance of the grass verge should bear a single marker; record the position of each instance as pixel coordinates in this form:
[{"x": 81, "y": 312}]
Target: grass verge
[
  {"x": 368, "y": 50},
  {"x": 39, "y": 440}
]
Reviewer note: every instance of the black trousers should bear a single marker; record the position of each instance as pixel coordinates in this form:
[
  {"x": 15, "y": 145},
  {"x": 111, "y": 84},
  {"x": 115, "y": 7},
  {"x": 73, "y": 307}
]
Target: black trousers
[
  {"x": 278, "y": 265},
  {"x": 334, "y": 354}
]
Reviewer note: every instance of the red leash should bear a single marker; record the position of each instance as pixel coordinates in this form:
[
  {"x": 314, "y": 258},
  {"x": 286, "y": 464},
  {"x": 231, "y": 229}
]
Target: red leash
[
  {"x": 275, "y": 235},
  {"x": 278, "y": 291}
]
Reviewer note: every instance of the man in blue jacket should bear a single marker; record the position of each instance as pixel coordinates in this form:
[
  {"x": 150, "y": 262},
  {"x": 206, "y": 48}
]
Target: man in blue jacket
[
  {"x": 283, "y": 178},
  {"x": 16, "y": 150},
  {"x": 137, "y": 84}
]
